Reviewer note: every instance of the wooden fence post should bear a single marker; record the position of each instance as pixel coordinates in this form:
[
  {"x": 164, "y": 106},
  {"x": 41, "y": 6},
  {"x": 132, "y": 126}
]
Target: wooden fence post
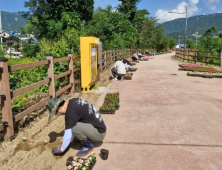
[
  {"x": 7, "y": 115},
  {"x": 51, "y": 75},
  {"x": 71, "y": 77},
  {"x": 207, "y": 57},
  {"x": 195, "y": 57},
  {"x": 184, "y": 55},
  {"x": 188, "y": 59},
  {"x": 105, "y": 59},
  {"x": 220, "y": 58}
]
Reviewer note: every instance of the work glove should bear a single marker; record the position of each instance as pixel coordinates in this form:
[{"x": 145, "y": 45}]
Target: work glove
[{"x": 57, "y": 151}]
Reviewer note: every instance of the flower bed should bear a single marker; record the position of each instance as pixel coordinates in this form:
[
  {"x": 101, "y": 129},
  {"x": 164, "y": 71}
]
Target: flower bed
[
  {"x": 204, "y": 74},
  {"x": 132, "y": 69},
  {"x": 189, "y": 64},
  {"x": 76, "y": 163},
  {"x": 110, "y": 104},
  {"x": 144, "y": 59},
  {"x": 133, "y": 63},
  {"x": 128, "y": 76},
  {"x": 198, "y": 68},
  {"x": 148, "y": 57}
]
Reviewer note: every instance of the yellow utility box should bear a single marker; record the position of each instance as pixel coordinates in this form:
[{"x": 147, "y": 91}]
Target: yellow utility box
[{"x": 89, "y": 63}]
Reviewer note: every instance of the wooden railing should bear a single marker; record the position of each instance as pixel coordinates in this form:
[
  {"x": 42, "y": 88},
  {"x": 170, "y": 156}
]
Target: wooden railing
[
  {"x": 194, "y": 56},
  {"x": 7, "y": 95},
  {"x": 105, "y": 59},
  {"x": 108, "y": 57}
]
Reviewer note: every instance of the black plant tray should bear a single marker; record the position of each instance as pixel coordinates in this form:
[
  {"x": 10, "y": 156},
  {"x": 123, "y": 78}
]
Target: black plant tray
[{"x": 107, "y": 112}]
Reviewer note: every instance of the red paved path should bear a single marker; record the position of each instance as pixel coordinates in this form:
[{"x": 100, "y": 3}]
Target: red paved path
[{"x": 165, "y": 121}]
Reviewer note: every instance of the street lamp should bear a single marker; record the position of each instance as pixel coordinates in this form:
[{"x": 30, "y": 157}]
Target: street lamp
[{"x": 186, "y": 8}]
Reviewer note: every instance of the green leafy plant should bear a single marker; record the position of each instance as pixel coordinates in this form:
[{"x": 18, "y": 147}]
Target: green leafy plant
[{"x": 95, "y": 87}]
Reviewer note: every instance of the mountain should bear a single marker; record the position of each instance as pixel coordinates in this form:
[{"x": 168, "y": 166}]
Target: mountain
[
  {"x": 199, "y": 23},
  {"x": 11, "y": 21}
]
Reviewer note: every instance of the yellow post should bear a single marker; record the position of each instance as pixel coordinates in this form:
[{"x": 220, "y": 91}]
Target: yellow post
[{"x": 89, "y": 62}]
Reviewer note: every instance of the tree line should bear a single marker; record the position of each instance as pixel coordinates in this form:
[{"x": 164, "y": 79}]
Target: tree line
[{"x": 59, "y": 24}]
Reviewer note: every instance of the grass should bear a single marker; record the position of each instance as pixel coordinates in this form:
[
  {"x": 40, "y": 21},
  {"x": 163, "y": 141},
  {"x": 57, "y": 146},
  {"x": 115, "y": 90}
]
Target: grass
[{"x": 95, "y": 87}]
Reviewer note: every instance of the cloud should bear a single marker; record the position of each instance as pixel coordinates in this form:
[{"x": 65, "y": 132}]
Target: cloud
[
  {"x": 211, "y": 4},
  {"x": 164, "y": 15}
]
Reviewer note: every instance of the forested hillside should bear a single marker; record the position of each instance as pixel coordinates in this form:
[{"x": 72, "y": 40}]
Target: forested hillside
[
  {"x": 199, "y": 23},
  {"x": 11, "y": 21}
]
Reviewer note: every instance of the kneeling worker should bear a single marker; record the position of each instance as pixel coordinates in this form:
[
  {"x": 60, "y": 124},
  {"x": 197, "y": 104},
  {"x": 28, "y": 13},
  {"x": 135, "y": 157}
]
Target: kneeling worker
[
  {"x": 118, "y": 70},
  {"x": 82, "y": 121}
]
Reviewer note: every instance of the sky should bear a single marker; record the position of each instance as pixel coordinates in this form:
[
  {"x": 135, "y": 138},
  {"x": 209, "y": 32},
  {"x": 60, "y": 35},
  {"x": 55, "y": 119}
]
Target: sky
[{"x": 156, "y": 8}]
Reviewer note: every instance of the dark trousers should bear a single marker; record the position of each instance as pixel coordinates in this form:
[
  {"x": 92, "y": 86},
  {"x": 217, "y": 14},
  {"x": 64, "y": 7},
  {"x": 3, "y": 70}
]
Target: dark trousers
[
  {"x": 134, "y": 58},
  {"x": 114, "y": 73}
]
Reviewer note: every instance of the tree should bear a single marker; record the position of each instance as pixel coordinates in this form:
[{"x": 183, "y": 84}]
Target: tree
[
  {"x": 190, "y": 44},
  {"x": 171, "y": 42},
  {"x": 211, "y": 31},
  {"x": 128, "y": 8},
  {"x": 151, "y": 34},
  {"x": 50, "y": 17},
  {"x": 113, "y": 30}
]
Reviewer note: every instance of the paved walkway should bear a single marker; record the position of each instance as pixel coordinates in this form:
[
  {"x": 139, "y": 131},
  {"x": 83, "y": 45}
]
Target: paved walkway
[{"x": 167, "y": 120}]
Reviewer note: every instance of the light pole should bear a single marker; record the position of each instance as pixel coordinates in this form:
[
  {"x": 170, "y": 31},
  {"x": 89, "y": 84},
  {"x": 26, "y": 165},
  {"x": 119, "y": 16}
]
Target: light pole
[
  {"x": 185, "y": 39},
  {"x": 1, "y": 40},
  {"x": 196, "y": 37}
]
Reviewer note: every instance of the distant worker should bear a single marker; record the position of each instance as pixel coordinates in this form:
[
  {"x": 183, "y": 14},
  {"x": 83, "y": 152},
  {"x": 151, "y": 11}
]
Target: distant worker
[
  {"x": 118, "y": 70},
  {"x": 148, "y": 53},
  {"x": 135, "y": 56},
  {"x": 127, "y": 63},
  {"x": 154, "y": 52}
]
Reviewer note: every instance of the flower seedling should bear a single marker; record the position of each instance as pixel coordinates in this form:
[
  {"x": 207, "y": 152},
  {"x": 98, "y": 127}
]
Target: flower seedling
[
  {"x": 76, "y": 163},
  {"x": 45, "y": 142},
  {"x": 24, "y": 139}
]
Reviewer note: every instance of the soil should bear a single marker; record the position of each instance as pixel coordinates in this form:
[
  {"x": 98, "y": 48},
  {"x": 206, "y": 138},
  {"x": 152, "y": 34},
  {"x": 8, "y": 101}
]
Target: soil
[{"x": 33, "y": 154}]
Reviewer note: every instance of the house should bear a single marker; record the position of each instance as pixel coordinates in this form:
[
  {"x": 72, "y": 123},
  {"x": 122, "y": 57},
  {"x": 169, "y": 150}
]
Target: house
[{"x": 9, "y": 39}]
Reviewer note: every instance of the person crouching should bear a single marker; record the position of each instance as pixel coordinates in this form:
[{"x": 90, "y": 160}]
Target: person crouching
[
  {"x": 82, "y": 121},
  {"x": 118, "y": 70}
]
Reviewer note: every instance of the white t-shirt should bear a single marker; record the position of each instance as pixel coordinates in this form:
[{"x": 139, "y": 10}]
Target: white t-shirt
[
  {"x": 135, "y": 55},
  {"x": 120, "y": 67}
]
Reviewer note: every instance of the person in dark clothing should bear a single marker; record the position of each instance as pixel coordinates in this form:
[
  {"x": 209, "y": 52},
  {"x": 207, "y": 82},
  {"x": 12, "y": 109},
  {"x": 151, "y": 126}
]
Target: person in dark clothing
[
  {"x": 148, "y": 53},
  {"x": 125, "y": 61},
  {"x": 135, "y": 56},
  {"x": 82, "y": 121}
]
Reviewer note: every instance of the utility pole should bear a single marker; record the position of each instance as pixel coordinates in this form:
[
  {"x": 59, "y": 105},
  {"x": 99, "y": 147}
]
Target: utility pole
[
  {"x": 1, "y": 29},
  {"x": 185, "y": 39},
  {"x": 197, "y": 32}
]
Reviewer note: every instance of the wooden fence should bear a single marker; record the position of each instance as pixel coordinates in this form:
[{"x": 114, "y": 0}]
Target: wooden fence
[
  {"x": 194, "y": 56},
  {"x": 105, "y": 59}
]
